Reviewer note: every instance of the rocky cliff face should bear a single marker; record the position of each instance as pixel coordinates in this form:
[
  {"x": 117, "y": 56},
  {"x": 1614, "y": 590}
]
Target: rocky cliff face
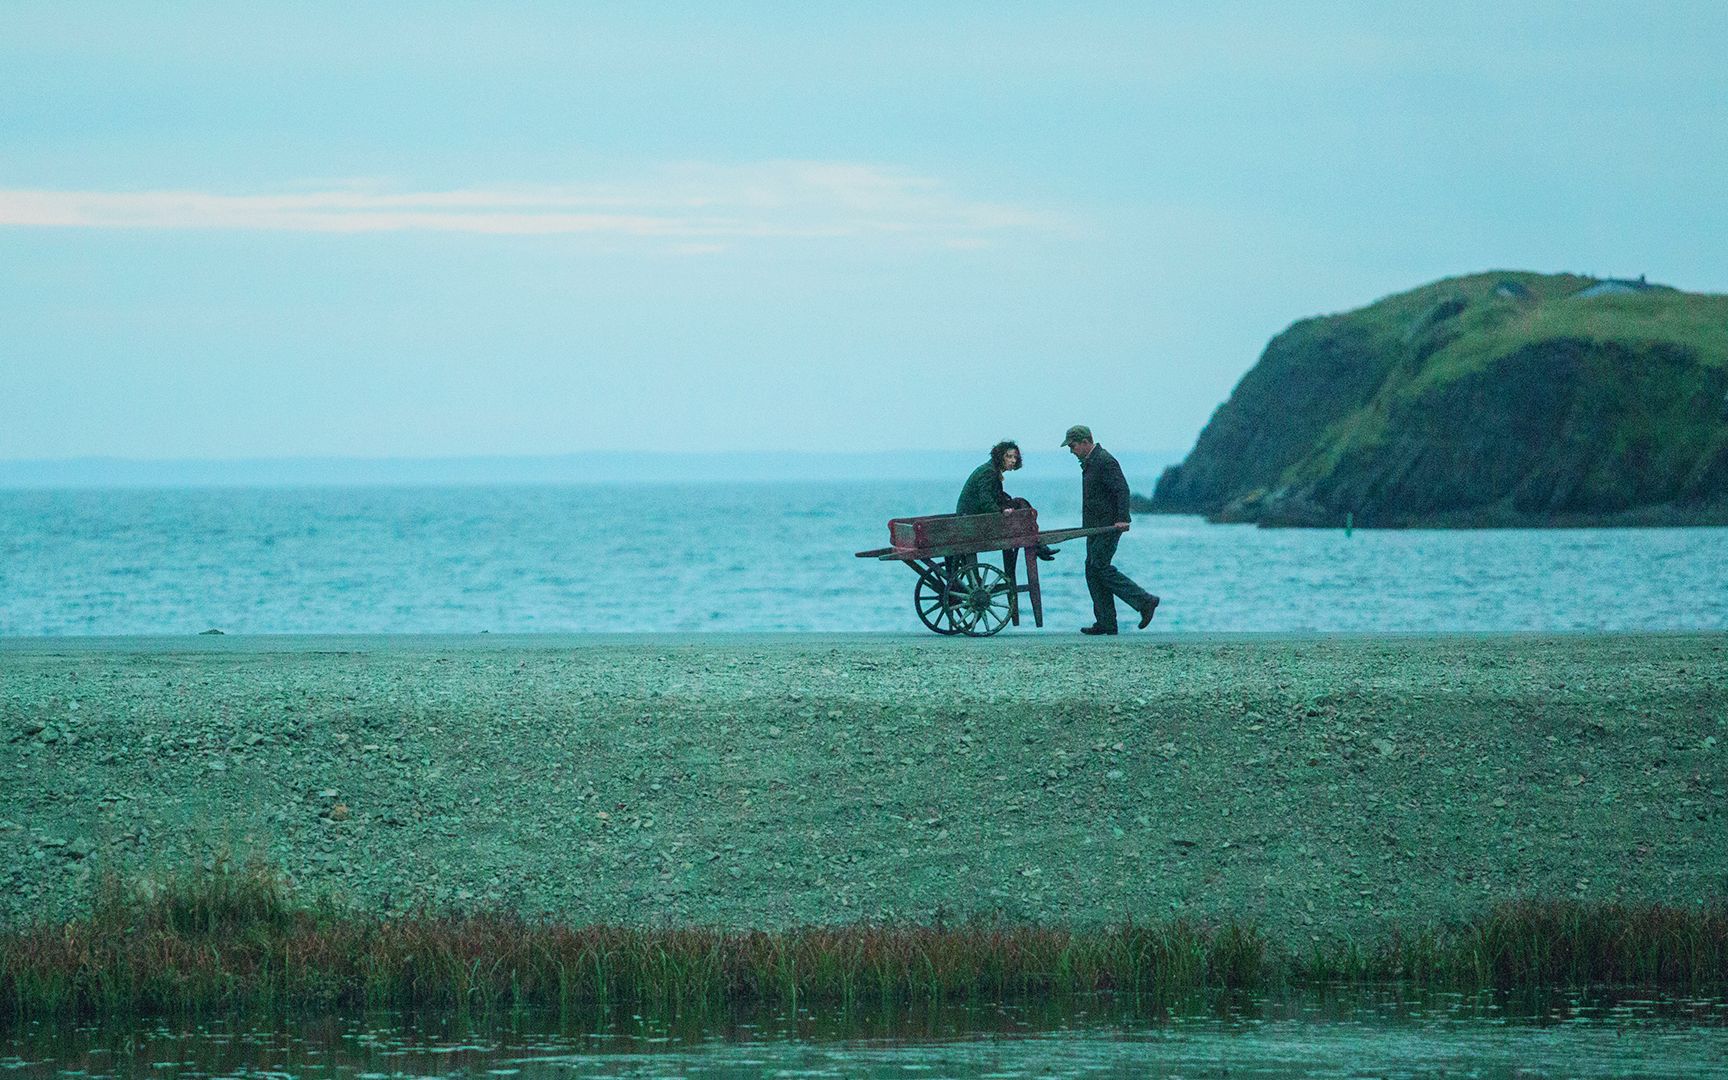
[{"x": 1499, "y": 399}]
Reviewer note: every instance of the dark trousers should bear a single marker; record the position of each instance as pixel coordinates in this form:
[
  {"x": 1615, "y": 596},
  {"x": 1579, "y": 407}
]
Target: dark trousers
[{"x": 1106, "y": 583}]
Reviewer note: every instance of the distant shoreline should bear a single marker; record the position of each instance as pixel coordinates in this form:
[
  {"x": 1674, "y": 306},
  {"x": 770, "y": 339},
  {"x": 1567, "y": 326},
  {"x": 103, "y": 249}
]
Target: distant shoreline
[
  {"x": 634, "y": 467},
  {"x": 1496, "y": 517}
]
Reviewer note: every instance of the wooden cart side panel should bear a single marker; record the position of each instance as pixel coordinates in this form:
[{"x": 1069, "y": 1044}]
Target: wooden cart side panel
[
  {"x": 942, "y": 551},
  {"x": 947, "y": 530}
]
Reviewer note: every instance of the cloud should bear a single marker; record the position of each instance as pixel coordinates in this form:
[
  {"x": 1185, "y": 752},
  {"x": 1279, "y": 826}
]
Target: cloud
[{"x": 696, "y": 207}]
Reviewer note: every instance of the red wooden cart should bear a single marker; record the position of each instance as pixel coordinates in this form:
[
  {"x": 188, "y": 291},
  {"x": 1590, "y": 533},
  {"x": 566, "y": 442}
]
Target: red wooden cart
[{"x": 958, "y": 594}]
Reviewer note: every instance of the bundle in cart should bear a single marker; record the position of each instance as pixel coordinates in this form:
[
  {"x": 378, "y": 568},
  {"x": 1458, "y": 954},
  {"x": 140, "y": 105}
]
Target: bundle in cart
[{"x": 957, "y": 592}]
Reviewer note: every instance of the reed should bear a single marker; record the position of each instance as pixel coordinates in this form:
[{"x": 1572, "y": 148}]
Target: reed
[{"x": 239, "y": 939}]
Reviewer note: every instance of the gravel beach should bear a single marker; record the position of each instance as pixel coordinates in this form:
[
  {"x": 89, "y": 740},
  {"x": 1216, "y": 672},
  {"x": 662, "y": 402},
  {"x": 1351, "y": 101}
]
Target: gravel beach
[{"x": 1316, "y": 785}]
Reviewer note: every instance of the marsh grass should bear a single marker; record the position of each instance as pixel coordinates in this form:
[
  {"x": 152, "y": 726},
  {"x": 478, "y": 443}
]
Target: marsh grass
[{"x": 231, "y": 939}]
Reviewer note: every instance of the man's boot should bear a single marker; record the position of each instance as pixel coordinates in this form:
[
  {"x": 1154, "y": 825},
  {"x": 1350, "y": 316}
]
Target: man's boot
[{"x": 1147, "y": 612}]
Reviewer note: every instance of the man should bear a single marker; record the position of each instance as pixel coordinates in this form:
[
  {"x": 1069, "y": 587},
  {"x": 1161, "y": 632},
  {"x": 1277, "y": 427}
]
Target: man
[
  {"x": 983, "y": 492},
  {"x": 1104, "y": 501}
]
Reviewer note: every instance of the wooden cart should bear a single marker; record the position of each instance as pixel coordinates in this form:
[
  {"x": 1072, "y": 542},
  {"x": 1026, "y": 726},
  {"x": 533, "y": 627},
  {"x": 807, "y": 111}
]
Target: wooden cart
[{"x": 957, "y": 593}]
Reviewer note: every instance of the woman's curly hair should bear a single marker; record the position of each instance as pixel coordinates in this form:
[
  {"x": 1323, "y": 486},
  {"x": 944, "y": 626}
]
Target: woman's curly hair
[{"x": 999, "y": 452}]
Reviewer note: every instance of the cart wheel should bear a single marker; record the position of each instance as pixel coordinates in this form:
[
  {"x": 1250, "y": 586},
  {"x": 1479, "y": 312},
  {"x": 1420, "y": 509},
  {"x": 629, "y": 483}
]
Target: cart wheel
[
  {"x": 985, "y": 598},
  {"x": 939, "y": 605}
]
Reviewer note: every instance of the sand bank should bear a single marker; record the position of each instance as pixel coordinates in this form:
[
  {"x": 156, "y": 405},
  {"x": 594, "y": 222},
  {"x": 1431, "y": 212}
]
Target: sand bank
[{"x": 1315, "y": 784}]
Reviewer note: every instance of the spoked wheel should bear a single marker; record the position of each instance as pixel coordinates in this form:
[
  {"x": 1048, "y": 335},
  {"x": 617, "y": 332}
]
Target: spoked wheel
[
  {"x": 984, "y": 598},
  {"x": 938, "y": 603}
]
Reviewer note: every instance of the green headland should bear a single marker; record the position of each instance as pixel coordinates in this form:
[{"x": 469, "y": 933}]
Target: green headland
[{"x": 1499, "y": 399}]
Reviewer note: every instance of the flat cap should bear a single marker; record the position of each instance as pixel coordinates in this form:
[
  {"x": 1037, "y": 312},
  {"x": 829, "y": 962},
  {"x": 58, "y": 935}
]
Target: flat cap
[{"x": 1077, "y": 433}]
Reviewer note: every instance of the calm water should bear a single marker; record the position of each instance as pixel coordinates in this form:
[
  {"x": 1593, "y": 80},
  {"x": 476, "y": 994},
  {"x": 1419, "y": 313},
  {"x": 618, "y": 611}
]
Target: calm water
[
  {"x": 767, "y": 557},
  {"x": 1375, "y": 1034}
]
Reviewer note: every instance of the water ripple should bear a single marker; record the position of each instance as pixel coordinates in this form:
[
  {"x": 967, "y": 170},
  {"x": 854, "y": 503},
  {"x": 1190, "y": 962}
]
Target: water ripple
[{"x": 750, "y": 557}]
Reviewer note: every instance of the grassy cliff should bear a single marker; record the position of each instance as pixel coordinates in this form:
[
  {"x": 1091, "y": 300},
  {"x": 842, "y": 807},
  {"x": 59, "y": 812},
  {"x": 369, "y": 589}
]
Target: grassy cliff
[{"x": 1503, "y": 398}]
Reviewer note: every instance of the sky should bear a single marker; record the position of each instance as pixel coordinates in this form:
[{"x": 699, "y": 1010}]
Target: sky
[{"x": 234, "y": 230}]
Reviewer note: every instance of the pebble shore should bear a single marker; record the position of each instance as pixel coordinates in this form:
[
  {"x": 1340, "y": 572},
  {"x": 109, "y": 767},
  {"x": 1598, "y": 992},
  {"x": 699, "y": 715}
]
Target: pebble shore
[{"x": 1318, "y": 786}]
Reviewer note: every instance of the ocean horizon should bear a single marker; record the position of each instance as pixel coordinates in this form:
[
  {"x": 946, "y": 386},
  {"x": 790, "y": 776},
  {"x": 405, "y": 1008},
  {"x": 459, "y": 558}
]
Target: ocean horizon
[{"x": 647, "y": 466}]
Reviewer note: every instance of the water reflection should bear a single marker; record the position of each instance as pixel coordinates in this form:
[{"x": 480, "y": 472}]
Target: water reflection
[{"x": 1387, "y": 1032}]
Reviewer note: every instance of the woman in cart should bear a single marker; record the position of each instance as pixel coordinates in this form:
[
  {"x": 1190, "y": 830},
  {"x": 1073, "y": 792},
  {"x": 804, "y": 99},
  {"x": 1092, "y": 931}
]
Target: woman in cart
[{"x": 983, "y": 494}]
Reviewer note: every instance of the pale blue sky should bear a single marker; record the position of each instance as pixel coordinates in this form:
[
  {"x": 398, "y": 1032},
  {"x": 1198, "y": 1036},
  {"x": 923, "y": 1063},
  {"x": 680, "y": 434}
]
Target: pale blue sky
[{"x": 238, "y": 230}]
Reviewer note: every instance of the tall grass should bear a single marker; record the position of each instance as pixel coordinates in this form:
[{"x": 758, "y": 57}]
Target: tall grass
[{"x": 237, "y": 939}]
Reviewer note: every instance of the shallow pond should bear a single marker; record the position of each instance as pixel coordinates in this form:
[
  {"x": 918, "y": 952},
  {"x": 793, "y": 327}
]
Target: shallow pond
[{"x": 1346, "y": 1034}]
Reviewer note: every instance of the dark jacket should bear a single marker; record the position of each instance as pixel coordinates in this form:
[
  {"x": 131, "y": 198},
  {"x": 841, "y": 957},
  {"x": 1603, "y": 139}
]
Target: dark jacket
[
  {"x": 1103, "y": 490},
  {"x": 983, "y": 492}
]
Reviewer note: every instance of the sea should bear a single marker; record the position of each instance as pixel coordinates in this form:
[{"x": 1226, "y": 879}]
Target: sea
[{"x": 766, "y": 556}]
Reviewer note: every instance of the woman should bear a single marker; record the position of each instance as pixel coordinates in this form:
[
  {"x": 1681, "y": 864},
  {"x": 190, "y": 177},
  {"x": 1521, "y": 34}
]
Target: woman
[{"x": 983, "y": 492}]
